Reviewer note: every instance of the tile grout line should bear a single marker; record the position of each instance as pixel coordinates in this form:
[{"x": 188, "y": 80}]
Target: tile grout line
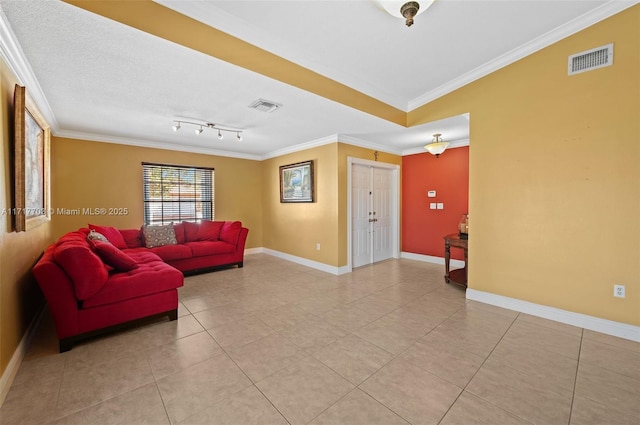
[
  {"x": 575, "y": 381},
  {"x": 477, "y": 371}
]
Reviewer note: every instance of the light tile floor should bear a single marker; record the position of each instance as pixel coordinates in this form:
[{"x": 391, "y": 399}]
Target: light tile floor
[{"x": 277, "y": 343}]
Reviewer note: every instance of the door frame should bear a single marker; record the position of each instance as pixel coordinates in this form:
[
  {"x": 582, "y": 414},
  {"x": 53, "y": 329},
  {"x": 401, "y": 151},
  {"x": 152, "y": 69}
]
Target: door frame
[{"x": 395, "y": 204}]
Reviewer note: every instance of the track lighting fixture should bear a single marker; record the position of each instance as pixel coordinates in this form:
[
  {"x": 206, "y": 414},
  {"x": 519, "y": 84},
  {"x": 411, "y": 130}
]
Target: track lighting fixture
[{"x": 201, "y": 126}]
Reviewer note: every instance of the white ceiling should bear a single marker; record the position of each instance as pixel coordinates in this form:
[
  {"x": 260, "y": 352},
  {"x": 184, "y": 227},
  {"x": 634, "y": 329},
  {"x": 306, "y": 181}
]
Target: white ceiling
[{"x": 97, "y": 79}]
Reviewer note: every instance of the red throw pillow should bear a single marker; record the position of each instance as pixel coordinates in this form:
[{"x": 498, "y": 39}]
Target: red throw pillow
[
  {"x": 206, "y": 230},
  {"x": 231, "y": 231},
  {"x": 113, "y": 257},
  {"x": 132, "y": 237},
  {"x": 179, "y": 231},
  {"x": 86, "y": 270},
  {"x": 112, "y": 234}
]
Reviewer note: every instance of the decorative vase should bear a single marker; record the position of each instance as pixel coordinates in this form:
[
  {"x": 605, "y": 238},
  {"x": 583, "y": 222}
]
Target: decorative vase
[{"x": 463, "y": 226}]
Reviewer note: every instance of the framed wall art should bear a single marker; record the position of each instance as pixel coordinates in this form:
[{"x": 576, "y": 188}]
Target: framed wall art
[
  {"x": 32, "y": 138},
  {"x": 296, "y": 182}
]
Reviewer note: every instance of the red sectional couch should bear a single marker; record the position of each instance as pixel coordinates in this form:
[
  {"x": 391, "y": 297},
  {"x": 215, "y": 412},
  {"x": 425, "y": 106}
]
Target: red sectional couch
[
  {"x": 95, "y": 285},
  {"x": 200, "y": 246}
]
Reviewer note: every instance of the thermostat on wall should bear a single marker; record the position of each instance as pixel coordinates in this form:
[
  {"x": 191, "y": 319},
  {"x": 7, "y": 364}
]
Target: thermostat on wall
[{"x": 431, "y": 194}]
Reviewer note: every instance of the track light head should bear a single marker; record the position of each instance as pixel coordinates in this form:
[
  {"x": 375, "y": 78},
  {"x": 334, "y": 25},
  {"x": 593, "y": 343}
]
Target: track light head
[
  {"x": 220, "y": 136},
  {"x": 199, "y": 130},
  {"x": 176, "y": 127},
  {"x": 239, "y": 137}
]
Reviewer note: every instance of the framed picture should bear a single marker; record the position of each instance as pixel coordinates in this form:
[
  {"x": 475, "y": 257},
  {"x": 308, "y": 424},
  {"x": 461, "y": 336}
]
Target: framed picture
[
  {"x": 32, "y": 137},
  {"x": 296, "y": 182}
]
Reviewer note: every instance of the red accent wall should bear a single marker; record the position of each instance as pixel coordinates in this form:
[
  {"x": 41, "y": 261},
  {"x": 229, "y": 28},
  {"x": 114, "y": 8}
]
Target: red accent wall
[{"x": 423, "y": 229}]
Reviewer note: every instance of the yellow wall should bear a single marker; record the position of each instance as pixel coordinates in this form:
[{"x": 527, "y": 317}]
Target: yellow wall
[
  {"x": 20, "y": 297},
  {"x": 554, "y": 214},
  {"x": 296, "y": 228},
  {"x": 105, "y": 175}
]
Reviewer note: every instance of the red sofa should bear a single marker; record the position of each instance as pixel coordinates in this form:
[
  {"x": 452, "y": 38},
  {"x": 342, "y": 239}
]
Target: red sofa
[
  {"x": 92, "y": 286},
  {"x": 200, "y": 246}
]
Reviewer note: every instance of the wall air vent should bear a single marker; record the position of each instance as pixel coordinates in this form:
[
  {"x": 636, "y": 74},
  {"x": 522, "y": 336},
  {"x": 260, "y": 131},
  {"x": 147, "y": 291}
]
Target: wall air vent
[
  {"x": 591, "y": 59},
  {"x": 265, "y": 105}
]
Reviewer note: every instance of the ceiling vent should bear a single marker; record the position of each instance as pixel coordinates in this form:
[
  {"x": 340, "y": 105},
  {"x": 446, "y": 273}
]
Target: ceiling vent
[
  {"x": 265, "y": 105},
  {"x": 591, "y": 59}
]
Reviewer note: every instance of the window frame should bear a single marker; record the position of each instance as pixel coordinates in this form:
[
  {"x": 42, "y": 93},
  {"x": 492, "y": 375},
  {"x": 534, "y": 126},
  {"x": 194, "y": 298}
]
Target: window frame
[{"x": 183, "y": 192}]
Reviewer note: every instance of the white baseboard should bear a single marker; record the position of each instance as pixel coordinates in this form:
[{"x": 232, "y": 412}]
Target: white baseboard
[
  {"x": 303, "y": 261},
  {"x": 596, "y": 324},
  {"x": 11, "y": 371},
  {"x": 430, "y": 259}
]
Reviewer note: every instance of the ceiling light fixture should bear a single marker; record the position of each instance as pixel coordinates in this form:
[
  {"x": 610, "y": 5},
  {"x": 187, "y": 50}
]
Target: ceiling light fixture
[
  {"x": 406, "y": 10},
  {"x": 201, "y": 126},
  {"x": 437, "y": 146}
]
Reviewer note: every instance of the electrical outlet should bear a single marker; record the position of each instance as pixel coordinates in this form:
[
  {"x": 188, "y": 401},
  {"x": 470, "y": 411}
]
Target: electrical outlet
[
  {"x": 317, "y": 247},
  {"x": 619, "y": 291}
]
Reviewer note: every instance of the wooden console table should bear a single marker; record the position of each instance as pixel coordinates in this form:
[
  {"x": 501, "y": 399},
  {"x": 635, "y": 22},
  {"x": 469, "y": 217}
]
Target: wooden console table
[{"x": 458, "y": 276}]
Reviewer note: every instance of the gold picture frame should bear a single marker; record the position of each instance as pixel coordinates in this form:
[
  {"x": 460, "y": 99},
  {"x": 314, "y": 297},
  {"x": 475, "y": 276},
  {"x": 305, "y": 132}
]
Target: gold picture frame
[
  {"x": 32, "y": 138},
  {"x": 296, "y": 182}
]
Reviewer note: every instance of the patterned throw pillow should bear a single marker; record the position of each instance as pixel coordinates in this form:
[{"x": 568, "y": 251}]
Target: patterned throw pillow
[
  {"x": 159, "y": 235},
  {"x": 95, "y": 236}
]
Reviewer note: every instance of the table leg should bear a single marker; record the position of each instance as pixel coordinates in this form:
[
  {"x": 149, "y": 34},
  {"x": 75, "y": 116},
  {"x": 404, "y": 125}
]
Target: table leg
[{"x": 447, "y": 256}]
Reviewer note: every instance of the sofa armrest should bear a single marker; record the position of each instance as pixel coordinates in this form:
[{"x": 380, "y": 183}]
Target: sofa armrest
[
  {"x": 242, "y": 239},
  {"x": 58, "y": 291}
]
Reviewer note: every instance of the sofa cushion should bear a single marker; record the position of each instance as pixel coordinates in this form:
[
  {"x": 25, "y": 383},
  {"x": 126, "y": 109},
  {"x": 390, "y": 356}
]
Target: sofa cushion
[
  {"x": 155, "y": 236},
  {"x": 172, "y": 252},
  {"x": 147, "y": 279},
  {"x": 132, "y": 237},
  {"x": 112, "y": 234},
  {"x": 230, "y": 232},
  {"x": 206, "y": 230},
  {"x": 204, "y": 248},
  {"x": 86, "y": 270},
  {"x": 113, "y": 257},
  {"x": 142, "y": 255},
  {"x": 178, "y": 228}
]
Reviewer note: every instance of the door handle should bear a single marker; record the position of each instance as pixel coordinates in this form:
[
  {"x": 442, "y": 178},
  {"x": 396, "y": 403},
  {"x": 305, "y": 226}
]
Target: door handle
[{"x": 372, "y": 220}]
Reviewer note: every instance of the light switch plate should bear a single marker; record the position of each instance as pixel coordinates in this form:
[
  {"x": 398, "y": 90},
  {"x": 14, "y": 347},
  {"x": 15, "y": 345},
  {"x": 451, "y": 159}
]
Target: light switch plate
[
  {"x": 440, "y": 206},
  {"x": 431, "y": 194},
  {"x": 432, "y": 206}
]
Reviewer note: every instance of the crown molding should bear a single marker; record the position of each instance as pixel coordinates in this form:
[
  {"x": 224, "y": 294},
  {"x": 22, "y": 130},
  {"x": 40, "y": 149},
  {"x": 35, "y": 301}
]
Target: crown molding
[
  {"x": 302, "y": 146},
  {"x": 151, "y": 144},
  {"x": 368, "y": 145},
  {"x": 578, "y": 24},
  {"x": 14, "y": 57}
]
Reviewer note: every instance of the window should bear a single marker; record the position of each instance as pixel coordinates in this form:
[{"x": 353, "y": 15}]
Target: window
[{"x": 174, "y": 193}]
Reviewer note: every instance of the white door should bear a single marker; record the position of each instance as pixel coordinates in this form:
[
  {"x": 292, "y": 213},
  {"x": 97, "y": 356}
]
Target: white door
[
  {"x": 371, "y": 214},
  {"x": 382, "y": 231},
  {"x": 361, "y": 214}
]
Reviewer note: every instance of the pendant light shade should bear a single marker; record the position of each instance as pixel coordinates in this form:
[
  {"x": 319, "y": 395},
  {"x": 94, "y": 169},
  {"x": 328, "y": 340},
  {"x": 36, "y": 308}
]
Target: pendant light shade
[{"x": 437, "y": 146}]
